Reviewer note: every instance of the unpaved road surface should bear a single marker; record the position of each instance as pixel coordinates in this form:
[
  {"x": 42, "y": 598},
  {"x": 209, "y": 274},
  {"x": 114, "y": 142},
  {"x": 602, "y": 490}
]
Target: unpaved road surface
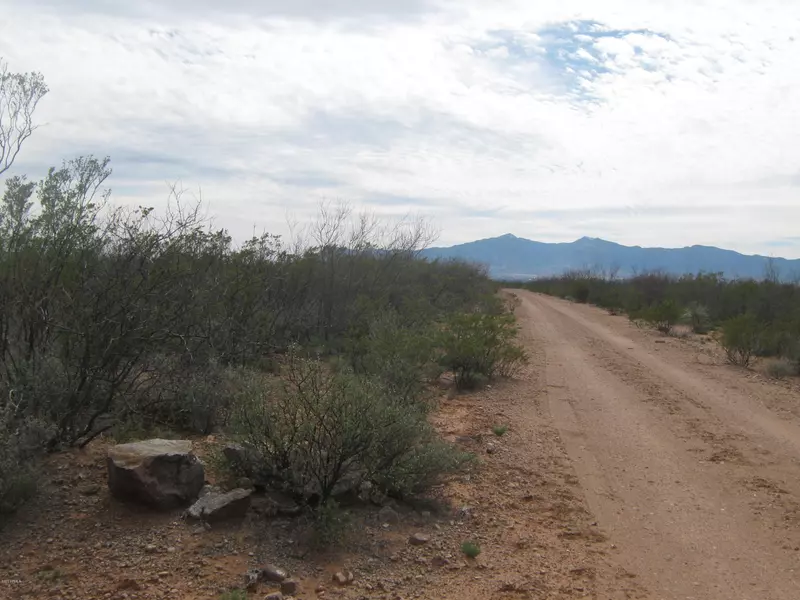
[{"x": 689, "y": 466}]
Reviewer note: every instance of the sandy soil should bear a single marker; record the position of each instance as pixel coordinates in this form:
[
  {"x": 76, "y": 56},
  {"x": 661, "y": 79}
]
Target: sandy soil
[{"x": 635, "y": 466}]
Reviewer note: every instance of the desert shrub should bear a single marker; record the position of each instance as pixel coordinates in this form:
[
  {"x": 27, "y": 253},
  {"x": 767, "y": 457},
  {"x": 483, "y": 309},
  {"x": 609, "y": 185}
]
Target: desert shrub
[
  {"x": 20, "y": 442},
  {"x": 477, "y": 347},
  {"x": 780, "y": 368},
  {"x": 402, "y": 356},
  {"x": 112, "y": 315},
  {"x": 697, "y": 317},
  {"x": 500, "y": 430},
  {"x": 663, "y": 316},
  {"x": 403, "y": 472},
  {"x": 740, "y": 339},
  {"x": 331, "y": 524},
  {"x": 17, "y": 475},
  {"x": 318, "y": 433},
  {"x": 471, "y": 549},
  {"x": 581, "y": 292},
  {"x": 195, "y": 398}
]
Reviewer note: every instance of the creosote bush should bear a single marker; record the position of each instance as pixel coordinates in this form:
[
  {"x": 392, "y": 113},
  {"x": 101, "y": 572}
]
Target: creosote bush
[
  {"x": 740, "y": 339},
  {"x": 331, "y": 525},
  {"x": 697, "y": 317},
  {"x": 663, "y": 316},
  {"x": 477, "y": 347},
  {"x": 107, "y": 313},
  {"x": 317, "y": 433}
]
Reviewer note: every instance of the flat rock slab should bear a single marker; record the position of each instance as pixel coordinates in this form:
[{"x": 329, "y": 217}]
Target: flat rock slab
[
  {"x": 215, "y": 506},
  {"x": 163, "y": 474}
]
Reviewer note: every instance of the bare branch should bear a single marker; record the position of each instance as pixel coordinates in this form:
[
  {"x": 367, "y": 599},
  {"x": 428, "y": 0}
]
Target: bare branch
[{"x": 20, "y": 93}]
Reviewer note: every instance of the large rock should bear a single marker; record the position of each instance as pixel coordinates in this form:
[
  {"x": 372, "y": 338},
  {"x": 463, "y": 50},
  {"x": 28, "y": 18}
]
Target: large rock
[
  {"x": 216, "y": 506},
  {"x": 163, "y": 474}
]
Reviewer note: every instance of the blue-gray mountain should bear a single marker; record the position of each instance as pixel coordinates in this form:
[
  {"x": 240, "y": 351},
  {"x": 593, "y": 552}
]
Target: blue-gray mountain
[{"x": 510, "y": 257}]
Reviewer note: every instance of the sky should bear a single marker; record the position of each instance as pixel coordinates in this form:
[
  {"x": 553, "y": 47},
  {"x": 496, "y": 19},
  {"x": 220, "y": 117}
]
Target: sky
[{"x": 658, "y": 123}]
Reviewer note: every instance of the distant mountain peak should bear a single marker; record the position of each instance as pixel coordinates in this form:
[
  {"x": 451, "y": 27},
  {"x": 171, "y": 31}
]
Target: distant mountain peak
[
  {"x": 593, "y": 240},
  {"x": 512, "y": 257}
]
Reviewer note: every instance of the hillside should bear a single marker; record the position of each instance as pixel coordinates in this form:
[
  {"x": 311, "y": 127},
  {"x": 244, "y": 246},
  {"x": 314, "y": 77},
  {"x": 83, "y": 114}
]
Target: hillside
[{"x": 512, "y": 257}]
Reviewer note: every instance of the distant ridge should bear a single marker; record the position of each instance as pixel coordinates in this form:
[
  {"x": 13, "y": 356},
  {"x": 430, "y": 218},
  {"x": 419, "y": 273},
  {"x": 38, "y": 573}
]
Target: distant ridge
[{"x": 512, "y": 257}]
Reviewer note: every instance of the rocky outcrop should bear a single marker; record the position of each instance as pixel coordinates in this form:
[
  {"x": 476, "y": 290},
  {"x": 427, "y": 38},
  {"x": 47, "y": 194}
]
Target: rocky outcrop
[
  {"x": 215, "y": 506},
  {"x": 163, "y": 474}
]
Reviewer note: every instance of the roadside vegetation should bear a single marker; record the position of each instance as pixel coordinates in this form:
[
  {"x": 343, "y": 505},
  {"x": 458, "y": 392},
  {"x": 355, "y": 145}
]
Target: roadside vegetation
[
  {"x": 750, "y": 318},
  {"x": 319, "y": 355}
]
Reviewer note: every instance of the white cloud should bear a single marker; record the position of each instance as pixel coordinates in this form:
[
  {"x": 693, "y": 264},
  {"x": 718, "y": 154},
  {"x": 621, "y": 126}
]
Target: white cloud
[{"x": 491, "y": 117}]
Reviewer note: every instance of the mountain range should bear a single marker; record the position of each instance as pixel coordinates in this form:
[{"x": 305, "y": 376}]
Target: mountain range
[{"x": 511, "y": 257}]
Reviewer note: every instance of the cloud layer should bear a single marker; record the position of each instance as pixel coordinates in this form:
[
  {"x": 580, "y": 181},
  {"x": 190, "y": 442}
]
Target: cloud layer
[{"x": 658, "y": 123}]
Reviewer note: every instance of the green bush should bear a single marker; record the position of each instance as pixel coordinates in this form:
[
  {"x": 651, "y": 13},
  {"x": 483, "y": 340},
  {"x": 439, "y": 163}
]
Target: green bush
[
  {"x": 663, "y": 316},
  {"x": 740, "y": 339},
  {"x": 471, "y": 549},
  {"x": 402, "y": 356},
  {"x": 479, "y": 347},
  {"x": 107, "y": 315},
  {"x": 697, "y": 317},
  {"x": 331, "y": 525},
  {"x": 500, "y": 430},
  {"x": 581, "y": 292},
  {"x": 318, "y": 433}
]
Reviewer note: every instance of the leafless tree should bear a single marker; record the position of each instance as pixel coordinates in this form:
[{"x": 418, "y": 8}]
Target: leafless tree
[
  {"x": 20, "y": 93},
  {"x": 772, "y": 272}
]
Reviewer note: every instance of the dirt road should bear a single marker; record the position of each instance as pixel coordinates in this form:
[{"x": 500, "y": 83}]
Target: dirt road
[{"x": 690, "y": 467}]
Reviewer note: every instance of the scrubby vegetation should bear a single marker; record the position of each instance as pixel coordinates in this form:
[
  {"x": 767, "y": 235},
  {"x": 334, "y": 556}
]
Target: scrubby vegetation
[
  {"x": 754, "y": 318},
  {"x": 500, "y": 430},
  {"x": 780, "y": 368},
  {"x": 318, "y": 354},
  {"x": 319, "y": 431},
  {"x": 112, "y": 317},
  {"x": 740, "y": 339},
  {"x": 478, "y": 346}
]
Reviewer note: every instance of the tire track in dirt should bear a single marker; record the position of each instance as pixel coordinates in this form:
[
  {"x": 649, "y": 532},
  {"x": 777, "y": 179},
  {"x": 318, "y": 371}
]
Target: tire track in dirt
[{"x": 694, "y": 480}]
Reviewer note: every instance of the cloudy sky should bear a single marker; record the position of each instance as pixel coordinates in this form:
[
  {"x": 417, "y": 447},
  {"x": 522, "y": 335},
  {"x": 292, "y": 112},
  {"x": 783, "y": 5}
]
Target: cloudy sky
[{"x": 665, "y": 122}]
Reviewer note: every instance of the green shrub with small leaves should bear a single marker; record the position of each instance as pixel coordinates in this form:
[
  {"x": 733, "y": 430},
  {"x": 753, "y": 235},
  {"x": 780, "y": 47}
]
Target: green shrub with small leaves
[
  {"x": 500, "y": 430},
  {"x": 331, "y": 524},
  {"x": 478, "y": 347},
  {"x": 663, "y": 316},
  {"x": 318, "y": 433},
  {"x": 471, "y": 549},
  {"x": 697, "y": 317},
  {"x": 741, "y": 338}
]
